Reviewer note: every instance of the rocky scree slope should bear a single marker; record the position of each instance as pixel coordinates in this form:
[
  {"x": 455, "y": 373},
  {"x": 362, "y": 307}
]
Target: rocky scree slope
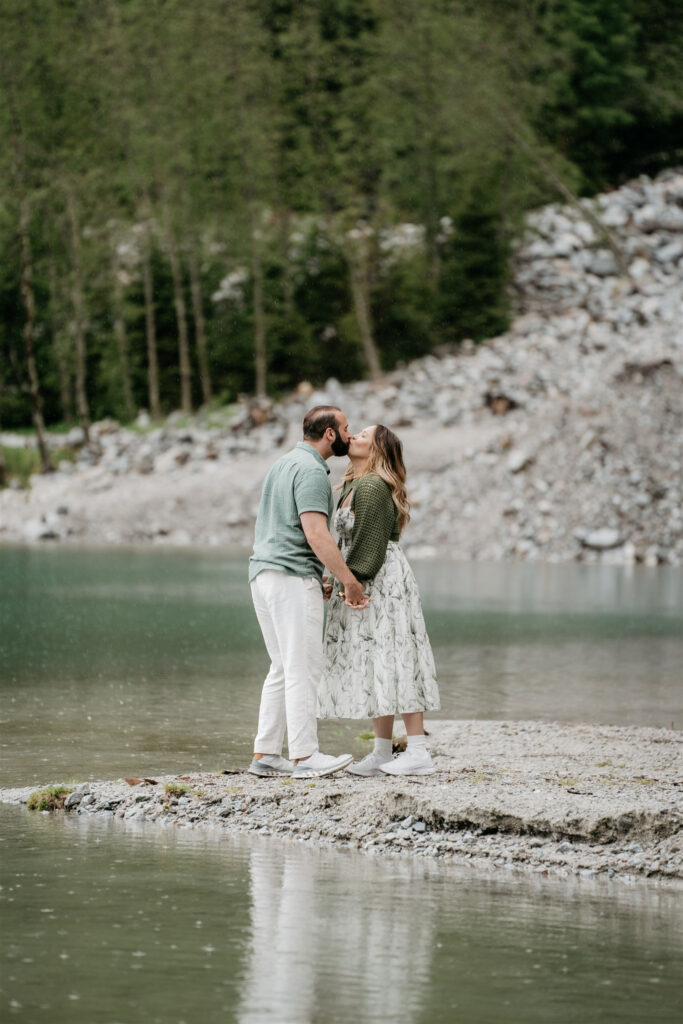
[{"x": 559, "y": 440}]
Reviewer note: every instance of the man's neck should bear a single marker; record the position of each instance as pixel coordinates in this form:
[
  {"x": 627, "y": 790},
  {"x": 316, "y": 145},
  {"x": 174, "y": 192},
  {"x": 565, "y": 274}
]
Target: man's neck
[{"x": 321, "y": 447}]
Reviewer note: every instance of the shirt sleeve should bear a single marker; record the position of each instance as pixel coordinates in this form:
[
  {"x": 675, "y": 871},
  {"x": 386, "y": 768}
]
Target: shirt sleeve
[
  {"x": 373, "y": 524},
  {"x": 312, "y": 492}
]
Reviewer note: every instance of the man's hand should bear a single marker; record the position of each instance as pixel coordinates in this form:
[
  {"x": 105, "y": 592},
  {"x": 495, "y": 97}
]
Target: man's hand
[
  {"x": 354, "y": 595},
  {"x": 314, "y": 525}
]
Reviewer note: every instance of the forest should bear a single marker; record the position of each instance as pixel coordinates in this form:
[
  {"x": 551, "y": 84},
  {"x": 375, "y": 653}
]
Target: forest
[{"x": 224, "y": 197}]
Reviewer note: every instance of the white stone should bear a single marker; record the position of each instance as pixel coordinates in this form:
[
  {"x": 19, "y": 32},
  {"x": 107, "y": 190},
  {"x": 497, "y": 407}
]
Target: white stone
[
  {"x": 614, "y": 216},
  {"x": 519, "y": 459},
  {"x": 603, "y": 539},
  {"x": 670, "y": 253},
  {"x": 75, "y": 437},
  {"x": 38, "y": 529}
]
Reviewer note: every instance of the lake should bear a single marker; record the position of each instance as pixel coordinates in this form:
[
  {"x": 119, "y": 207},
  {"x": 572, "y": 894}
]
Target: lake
[{"x": 141, "y": 662}]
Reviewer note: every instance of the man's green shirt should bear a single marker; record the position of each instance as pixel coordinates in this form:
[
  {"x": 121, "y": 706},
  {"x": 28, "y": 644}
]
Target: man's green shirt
[{"x": 298, "y": 482}]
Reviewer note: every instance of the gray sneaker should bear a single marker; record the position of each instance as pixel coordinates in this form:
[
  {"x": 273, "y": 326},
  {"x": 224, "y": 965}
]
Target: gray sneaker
[
  {"x": 270, "y": 766},
  {"x": 370, "y": 765},
  {"x": 320, "y": 764}
]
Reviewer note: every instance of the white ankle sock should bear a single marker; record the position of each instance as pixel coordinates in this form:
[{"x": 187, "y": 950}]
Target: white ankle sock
[
  {"x": 417, "y": 743},
  {"x": 383, "y": 748}
]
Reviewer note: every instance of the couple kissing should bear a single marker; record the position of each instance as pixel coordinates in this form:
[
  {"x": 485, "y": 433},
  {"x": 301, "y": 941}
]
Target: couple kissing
[{"x": 372, "y": 657}]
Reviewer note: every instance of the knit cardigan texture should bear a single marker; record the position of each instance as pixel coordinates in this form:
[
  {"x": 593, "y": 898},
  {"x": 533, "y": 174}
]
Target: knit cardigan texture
[{"x": 375, "y": 523}]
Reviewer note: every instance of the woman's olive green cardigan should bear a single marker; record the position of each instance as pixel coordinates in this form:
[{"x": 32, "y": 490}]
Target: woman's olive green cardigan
[{"x": 375, "y": 523}]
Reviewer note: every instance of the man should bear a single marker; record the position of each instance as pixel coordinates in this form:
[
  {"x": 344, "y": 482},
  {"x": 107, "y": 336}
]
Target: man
[{"x": 292, "y": 544}]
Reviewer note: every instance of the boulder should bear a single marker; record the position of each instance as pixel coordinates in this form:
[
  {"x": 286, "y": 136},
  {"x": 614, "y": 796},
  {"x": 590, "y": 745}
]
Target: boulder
[{"x": 603, "y": 539}]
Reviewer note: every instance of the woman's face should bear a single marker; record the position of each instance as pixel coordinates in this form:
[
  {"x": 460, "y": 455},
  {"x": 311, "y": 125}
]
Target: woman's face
[{"x": 361, "y": 443}]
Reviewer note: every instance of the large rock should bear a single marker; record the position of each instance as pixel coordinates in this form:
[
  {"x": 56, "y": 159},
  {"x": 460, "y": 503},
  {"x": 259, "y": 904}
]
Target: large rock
[
  {"x": 603, "y": 539},
  {"x": 39, "y": 529}
]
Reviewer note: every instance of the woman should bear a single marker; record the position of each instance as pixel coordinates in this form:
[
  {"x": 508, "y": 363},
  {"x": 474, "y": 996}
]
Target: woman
[{"x": 378, "y": 661}]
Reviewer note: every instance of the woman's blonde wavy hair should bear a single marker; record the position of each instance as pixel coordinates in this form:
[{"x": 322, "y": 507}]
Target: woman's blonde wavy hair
[{"x": 386, "y": 461}]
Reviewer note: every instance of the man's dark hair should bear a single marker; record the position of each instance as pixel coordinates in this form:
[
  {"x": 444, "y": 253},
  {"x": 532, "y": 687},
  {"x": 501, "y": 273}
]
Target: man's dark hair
[{"x": 319, "y": 419}]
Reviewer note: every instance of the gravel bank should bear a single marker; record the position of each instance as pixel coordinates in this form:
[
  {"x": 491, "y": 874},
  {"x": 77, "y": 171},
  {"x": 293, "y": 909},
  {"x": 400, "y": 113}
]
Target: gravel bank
[{"x": 565, "y": 800}]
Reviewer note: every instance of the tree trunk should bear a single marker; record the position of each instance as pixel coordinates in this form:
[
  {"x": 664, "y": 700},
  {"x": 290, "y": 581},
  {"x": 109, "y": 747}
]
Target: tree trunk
[
  {"x": 29, "y": 323},
  {"x": 61, "y": 357},
  {"x": 27, "y": 291},
  {"x": 200, "y": 328},
  {"x": 360, "y": 290},
  {"x": 287, "y": 276},
  {"x": 181, "y": 321},
  {"x": 150, "y": 327},
  {"x": 425, "y": 132},
  {"x": 121, "y": 336},
  {"x": 259, "y": 320},
  {"x": 79, "y": 316}
]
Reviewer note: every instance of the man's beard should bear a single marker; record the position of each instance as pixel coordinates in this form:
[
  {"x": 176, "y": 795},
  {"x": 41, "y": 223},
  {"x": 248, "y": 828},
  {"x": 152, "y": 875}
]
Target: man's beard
[{"x": 340, "y": 447}]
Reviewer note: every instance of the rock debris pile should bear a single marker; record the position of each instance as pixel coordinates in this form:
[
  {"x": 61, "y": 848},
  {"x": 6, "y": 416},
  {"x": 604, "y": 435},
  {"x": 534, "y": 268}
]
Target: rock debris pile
[{"x": 560, "y": 440}]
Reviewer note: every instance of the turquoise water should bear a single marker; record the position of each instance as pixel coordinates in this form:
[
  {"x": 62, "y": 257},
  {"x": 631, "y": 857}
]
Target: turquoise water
[
  {"x": 136, "y": 662},
  {"x": 128, "y": 662},
  {"x": 105, "y": 923}
]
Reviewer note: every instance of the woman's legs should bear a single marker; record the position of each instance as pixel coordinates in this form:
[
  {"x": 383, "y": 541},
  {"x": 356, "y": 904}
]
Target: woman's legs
[
  {"x": 414, "y": 723},
  {"x": 384, "y": 727}
]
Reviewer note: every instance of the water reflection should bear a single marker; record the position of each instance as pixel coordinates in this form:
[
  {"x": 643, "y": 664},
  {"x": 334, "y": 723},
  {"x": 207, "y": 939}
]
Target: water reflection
[
  {"x": 319, "y": 927},
  {"x": 115, "y": 922}
]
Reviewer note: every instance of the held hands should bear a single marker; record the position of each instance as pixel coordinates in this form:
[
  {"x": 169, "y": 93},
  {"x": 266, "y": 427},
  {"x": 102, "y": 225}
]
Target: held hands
[{"x": 354, "y": 595}]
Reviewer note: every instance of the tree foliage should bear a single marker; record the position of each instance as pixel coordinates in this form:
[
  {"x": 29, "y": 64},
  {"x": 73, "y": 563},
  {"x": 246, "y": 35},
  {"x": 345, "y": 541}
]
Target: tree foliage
[{"x": 232, "y": 195}]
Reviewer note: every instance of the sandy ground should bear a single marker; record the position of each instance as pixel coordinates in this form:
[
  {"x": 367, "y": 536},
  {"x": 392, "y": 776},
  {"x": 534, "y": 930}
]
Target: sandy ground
[{"x": 568, "y": 800}]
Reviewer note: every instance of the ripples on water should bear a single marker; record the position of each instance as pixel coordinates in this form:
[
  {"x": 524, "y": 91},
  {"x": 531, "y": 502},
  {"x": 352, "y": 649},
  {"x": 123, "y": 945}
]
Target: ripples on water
[
  {"x": 105, "y": 922},
  {"x": 133, "y": 663},
  {"x": 136, "y": 662}
]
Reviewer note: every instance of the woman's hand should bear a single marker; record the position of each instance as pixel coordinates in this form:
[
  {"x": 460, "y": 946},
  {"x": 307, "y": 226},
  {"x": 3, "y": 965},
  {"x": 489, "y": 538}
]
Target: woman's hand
[
  {"x": 328, "y": 586},
  {"x": 363, "y": 603}
]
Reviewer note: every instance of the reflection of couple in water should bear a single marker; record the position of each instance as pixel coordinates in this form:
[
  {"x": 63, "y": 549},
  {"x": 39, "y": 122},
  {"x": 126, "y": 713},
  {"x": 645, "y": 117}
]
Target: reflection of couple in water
[
  {"x": 308, "y": 907},
  {"x": 374, "y": 660}
]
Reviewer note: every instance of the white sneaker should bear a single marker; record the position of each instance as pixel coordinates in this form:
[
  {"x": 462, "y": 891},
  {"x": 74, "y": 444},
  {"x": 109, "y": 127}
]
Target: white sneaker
[
  {"x": 320, "y": 764},
  {"x": 370, "y": 765},
  {"x": 409, "y": 763},
  {"x": 271, "y": 765}
]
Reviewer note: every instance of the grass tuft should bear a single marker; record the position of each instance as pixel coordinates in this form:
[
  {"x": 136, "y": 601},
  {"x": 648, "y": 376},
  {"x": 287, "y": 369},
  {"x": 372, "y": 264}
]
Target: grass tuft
[
  {"x": 22, "y": 463},
  {"x": 174, "y": 789},
  {"x": 50, "y": 799}
]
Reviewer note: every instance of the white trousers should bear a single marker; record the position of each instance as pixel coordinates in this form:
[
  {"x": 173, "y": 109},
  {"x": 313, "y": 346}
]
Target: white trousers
[{"x": 290, "y": 614}]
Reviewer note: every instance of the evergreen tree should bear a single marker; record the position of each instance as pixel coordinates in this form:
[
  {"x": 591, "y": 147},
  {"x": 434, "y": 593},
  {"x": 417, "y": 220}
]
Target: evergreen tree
[{"x": 596, "y": 85}]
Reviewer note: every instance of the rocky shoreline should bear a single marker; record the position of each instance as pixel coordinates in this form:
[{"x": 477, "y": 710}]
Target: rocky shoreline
[
  {"x": 558, "y": 441},
  {"x": 552, "y": 799}
]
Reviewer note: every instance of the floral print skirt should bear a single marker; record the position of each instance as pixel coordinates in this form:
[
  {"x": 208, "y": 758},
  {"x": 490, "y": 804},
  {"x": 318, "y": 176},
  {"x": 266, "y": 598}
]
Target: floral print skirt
[{"x": 378, "y": 660}]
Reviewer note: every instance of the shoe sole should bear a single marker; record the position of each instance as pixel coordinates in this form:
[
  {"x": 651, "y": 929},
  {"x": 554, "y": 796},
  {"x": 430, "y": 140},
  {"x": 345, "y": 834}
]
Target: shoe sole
[
  {"x": 416, "y": 771},
  {"x": 312, "y": 774},
  {"x": 268, "y": 773}
]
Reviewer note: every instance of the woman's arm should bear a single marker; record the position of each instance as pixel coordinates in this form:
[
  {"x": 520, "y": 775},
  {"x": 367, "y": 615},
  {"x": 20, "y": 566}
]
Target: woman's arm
[{"x": 373, "y": 524}]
